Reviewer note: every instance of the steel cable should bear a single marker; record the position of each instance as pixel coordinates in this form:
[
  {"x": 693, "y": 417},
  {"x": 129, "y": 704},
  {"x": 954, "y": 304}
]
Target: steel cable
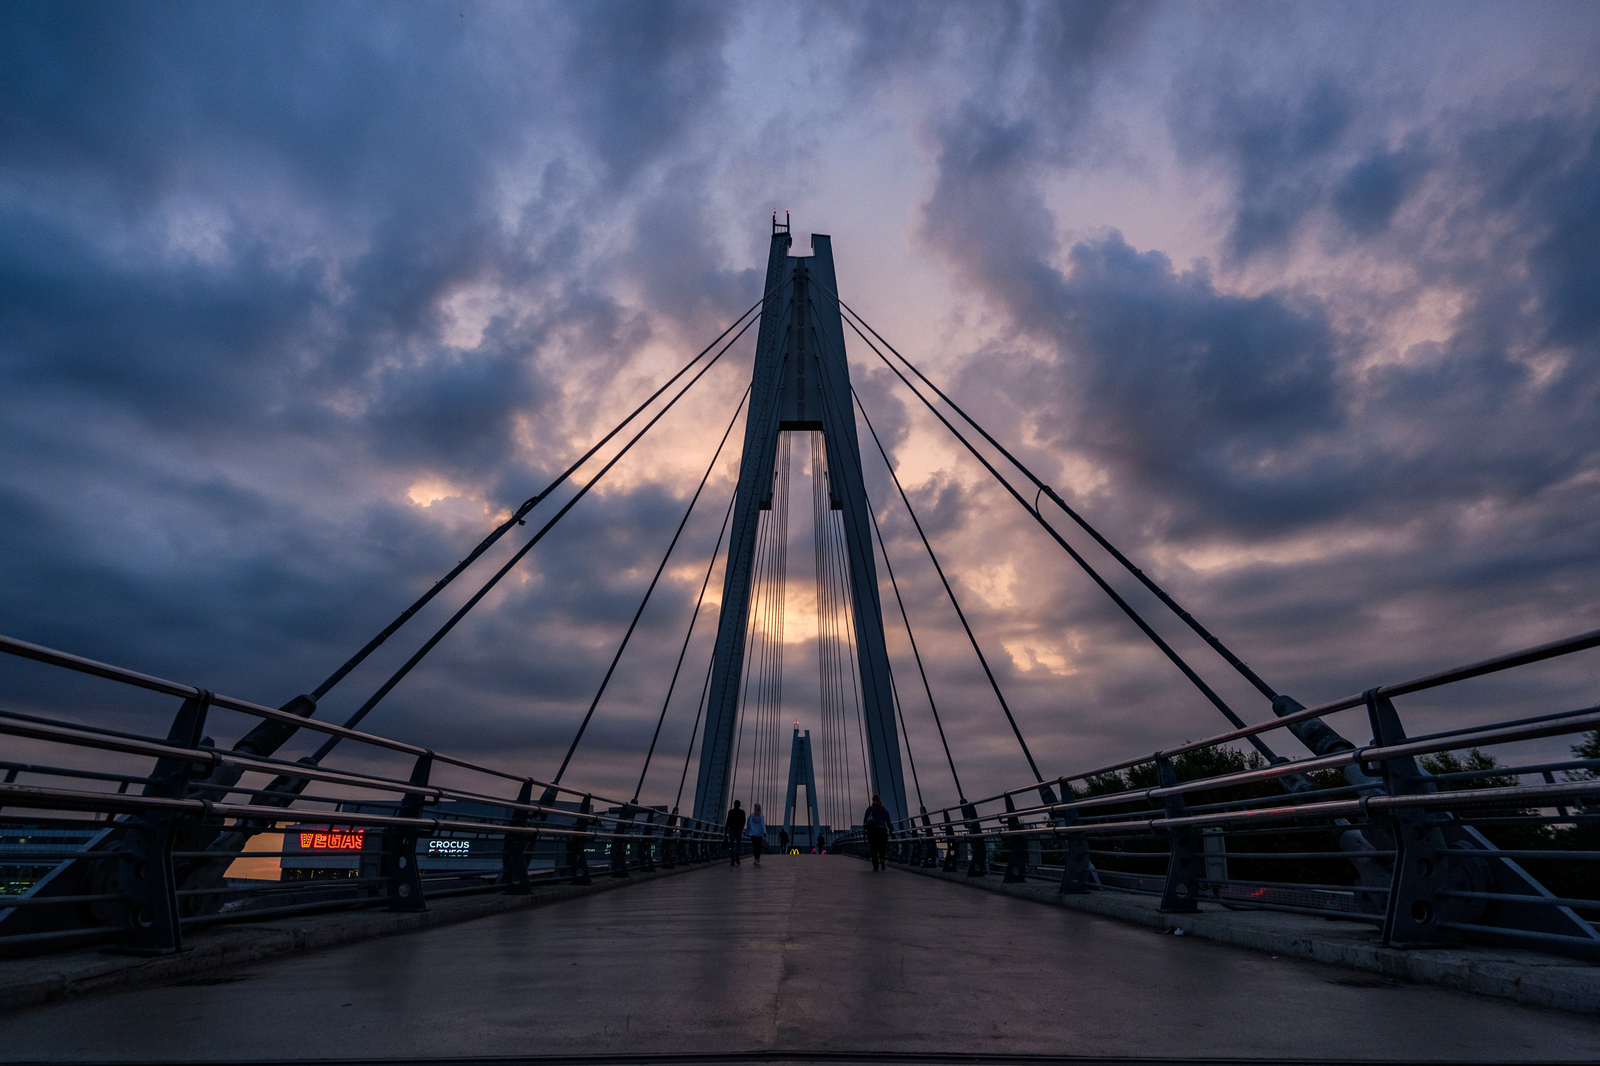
[
  {"x": 917, "y": 655},
  {"x": 842, "y": 423},
  {"x": 461, "y": 613},
  {"x": 516, "y": 519},
  {"x": 1193, "y": 623},
  {"x": 645, "y": 601},
  {"x": 894, "y": 693},
  {"x": 700, "y": 709},
  {"x": 830, "y": 394},
  {"x": 1155, "y": 638},
  {"x": 993, "y": 684},
  {"x": 694, "y": 617},
  {"x": 852, "y": 652}
]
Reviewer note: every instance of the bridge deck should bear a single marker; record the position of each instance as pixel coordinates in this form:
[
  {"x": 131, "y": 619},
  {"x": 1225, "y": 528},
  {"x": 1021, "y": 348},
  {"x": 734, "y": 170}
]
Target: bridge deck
[{"x": 803, "y": 954}]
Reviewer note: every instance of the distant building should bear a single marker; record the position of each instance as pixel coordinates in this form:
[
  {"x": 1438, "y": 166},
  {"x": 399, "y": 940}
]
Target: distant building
[
  {"x": 19, "y": 875},
  {"x": 317, "y": 851}
]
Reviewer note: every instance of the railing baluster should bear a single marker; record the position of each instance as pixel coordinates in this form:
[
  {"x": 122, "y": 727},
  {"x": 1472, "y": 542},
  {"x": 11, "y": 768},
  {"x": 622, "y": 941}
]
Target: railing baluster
[
  {"x": 577, "y": 844},
  {"x": 514, "y": 850},
  {"x": 1184, "y": 860},
  {"x": 399, "y": 862},
  {"x": 1016, "y": 846},
  {"x": 144, "y": 870}
]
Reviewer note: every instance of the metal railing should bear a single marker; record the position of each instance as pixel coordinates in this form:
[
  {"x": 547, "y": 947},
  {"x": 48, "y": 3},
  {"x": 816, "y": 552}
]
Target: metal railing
[
  {"x": 1467, "y": 852},
  {"x": 126, "y": 838}
]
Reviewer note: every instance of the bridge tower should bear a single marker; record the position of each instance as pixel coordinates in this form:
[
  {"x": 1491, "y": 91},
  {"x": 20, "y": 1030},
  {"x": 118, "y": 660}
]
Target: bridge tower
[
  {"x": 801, "y": 383},
  {"x": 802, "y": 774}
]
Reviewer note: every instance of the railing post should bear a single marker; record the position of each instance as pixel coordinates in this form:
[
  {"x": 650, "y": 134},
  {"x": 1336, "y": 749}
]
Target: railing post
[
  {"x": 952, "y": 852},
  {"x": 1184, "y": 863},
  {"x": 514, "y": 850},
  {"x": 399, "y": 862},
  {"x": 619, "y": 842},
  {"x": 144, "y": 874},
  {"x": 1214, "y": 846},
  {"x": 1016, "y": 845},
  {"x": 669, "y": 841},
  {"x": 978, "y": 864},
  {"x": 1075, "y": 866},
  {"x": 1421, "y": 867},
  {"x": 647, "y": 843},
  {"x": 577, "y": 860}
]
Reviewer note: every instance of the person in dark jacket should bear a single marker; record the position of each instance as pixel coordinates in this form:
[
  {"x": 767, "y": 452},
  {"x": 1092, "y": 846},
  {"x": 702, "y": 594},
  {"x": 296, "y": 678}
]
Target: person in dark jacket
[
  {"x": 735, "y": 827},
  {"x": 876, "y": 823}
]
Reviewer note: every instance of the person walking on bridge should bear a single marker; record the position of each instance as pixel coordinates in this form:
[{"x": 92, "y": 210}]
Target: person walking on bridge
[
  {"x": 758, "y": 833},
  {"x": 735, "y": 828},
  {"x": 876, "y": 823}
]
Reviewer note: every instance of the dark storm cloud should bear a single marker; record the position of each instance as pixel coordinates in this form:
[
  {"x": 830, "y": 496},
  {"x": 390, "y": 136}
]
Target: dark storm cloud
[
  {"x": 1255, "y": 411},
  {"x": 170, "y": 340},
  {"x": 1437, "y": 481},
  {"x": 1211, "y": 399},
  {"x": 230, "y": 242},
  {"x": 453, "y": 413},
  {"x": 1277, "y": 147},
  {"x": 642, "y": 72},
  {"x": 295, "y": 299},
  {"x": 996, "y": 142},
  {"x": 1368, "y": 195},
  {"x": 1547, "y": 174}
]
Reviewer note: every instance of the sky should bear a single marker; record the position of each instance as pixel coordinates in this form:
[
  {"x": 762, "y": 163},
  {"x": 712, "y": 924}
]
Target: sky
[{"x": 1299, "y": 304}]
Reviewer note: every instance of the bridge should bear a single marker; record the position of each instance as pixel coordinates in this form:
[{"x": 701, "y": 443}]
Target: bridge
[{"x": 1178, "y": 905}]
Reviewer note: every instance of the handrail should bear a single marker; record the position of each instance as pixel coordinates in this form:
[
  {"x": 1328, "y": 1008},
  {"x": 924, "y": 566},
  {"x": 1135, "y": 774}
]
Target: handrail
[
  {"x": 203, "y": 789},
  {"x": 1524, "y": 657},
  {"x": 71, "y": 799},
  {"x": 212, "y": 757}
]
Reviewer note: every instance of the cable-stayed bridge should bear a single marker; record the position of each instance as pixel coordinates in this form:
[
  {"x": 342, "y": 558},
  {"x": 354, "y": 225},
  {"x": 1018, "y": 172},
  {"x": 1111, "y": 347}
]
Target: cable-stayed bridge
[{"x": 125, "y": 842}]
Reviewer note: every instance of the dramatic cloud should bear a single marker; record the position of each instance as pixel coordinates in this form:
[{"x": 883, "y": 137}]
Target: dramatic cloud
[{"x": 298, "y": 301}]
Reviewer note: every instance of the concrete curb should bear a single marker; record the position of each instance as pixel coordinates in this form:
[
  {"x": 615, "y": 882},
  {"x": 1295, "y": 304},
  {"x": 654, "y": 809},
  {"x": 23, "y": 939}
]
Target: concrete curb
[
  {"x": 1524, "y": 976},
  {"x": 29, "y": 982}
]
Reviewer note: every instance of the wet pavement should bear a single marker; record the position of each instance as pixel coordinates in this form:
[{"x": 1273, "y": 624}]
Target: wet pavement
[{"x": 804, "y": 954}]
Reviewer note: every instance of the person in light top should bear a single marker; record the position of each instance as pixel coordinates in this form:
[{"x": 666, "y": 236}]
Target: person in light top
[{"x": 758, "y": 832}]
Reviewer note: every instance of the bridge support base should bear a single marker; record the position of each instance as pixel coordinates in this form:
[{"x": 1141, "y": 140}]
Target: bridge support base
[
  {"x": 1016, "y": 847},
  {"x": 1186, "y": 861},
  {"x": 577, "y": 857},
  {"x": 399, "y": 862},
  {"x": 514, "y": 850},
  {"x": 1075, "y": 865}
]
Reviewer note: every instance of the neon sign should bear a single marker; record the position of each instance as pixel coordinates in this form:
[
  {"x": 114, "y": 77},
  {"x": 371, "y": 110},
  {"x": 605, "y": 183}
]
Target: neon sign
[
  {"x": 449, "y": 847},
  {"x": 342, "y": 841}
]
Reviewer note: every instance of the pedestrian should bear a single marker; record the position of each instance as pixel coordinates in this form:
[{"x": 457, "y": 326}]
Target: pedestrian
[
  {"x": 735, "y": 827},
  {"x": 876, "y": 823},
  {"x": 783, "y": 842},
  {"x": 758, "y": 833}
]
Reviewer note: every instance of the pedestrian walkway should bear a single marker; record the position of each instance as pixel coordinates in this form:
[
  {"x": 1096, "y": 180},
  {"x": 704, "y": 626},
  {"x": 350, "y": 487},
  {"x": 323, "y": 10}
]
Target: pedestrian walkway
[{"x": 806, "y": 953}]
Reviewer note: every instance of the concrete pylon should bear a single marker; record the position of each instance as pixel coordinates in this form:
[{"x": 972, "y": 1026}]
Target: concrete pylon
[
  {"x": 801, "y": 775},
  {"x": 801, "y": 383}
]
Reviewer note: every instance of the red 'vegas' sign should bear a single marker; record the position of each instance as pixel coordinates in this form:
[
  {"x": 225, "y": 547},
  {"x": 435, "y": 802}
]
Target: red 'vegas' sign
[{"x": 343, "y": 841}]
